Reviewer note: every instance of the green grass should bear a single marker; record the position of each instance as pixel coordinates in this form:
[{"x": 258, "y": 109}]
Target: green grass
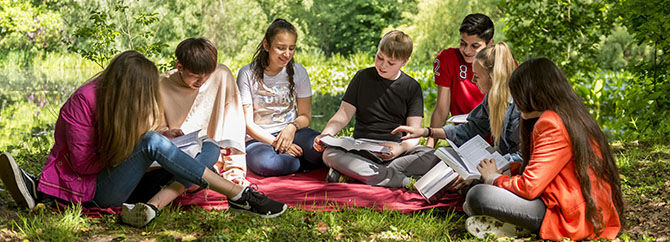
[
  {"x": 177, "y": 224},
  {"x": 30, "y": 99},
  {"x": 644, "y": 168}
]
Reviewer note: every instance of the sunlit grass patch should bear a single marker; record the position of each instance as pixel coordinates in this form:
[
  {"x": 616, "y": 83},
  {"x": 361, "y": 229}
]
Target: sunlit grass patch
[{"x": 49, "y": 225}]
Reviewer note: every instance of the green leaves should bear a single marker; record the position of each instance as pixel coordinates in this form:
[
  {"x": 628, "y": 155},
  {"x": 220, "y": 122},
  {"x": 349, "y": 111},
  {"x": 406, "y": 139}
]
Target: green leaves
[
  {"x": 564, "y": 31},
  {"x": 116, "y": 27},
  {"x": 345, "y": 27},
  {"x": 101, "y": 34}
]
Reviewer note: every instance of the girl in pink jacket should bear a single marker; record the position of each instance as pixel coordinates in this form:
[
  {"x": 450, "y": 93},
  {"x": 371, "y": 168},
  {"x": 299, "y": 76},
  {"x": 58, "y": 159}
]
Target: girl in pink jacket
[{"x": 104, "y": 143}]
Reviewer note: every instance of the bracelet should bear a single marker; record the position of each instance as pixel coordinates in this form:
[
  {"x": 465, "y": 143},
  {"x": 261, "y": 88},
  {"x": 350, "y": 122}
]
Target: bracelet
[
  {"x": 428, "y": 132},
  {"x": 294, "y": 125}
]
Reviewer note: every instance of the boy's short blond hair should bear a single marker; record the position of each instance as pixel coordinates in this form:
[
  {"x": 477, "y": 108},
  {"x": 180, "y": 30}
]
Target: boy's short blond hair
[{"x": 396, "y": 45}]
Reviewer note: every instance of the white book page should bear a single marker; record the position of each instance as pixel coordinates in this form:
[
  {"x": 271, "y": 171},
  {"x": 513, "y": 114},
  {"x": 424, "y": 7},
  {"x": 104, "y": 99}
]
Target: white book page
[
  {"x": 473, "y": 152},
  {"x": 456, "y": 158},
  {"x": 186, "y": 140},
  {"x": 501, "y": 162},
  {"x": 458, "y": 119},
  {"x": 338, "y": 142},
  {"x": 349, "y": 143},
  {"x": 434, "y": 180},
  {"x": 188, "y": 143}
]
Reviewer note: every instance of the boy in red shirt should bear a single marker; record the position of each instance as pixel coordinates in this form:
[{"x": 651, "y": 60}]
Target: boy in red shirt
[{"x": 453, "y": 71}]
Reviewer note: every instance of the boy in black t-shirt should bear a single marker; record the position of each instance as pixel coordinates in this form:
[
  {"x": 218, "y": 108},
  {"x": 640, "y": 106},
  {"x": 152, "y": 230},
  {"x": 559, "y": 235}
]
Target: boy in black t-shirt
[{"x": 382, "y": 98}]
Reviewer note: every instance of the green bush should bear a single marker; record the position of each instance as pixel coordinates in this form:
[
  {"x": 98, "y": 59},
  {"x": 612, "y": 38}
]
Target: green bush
[
  {"x": 620, "y": 48},
  {"x": 25, "y": 26},
  {"x": 567, "y": 32},
  {"x": 648, "y": 93}
]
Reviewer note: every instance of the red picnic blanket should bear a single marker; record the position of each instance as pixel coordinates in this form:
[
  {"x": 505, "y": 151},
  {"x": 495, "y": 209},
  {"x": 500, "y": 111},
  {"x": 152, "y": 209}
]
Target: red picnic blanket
[{"x": 310, "y": 191}]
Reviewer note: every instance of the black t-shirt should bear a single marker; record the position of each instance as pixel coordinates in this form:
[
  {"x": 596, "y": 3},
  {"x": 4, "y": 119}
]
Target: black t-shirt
[{"x": 382, "y": 105}]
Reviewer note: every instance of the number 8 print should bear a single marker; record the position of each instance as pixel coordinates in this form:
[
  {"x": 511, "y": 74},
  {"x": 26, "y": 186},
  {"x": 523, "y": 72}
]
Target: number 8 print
[{"x": 464, "y": 71}]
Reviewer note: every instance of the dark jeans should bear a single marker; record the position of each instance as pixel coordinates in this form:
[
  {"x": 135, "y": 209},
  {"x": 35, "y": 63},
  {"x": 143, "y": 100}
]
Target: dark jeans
[
  {"x": 115, "y": 184},
  {"x": 263, "y": 160}
]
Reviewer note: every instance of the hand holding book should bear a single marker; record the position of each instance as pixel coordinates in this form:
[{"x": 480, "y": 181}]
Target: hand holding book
[
  {"x": 171, "y": 133},
  {"x": 318, "y": 145},
  {"x": 488, "y": 169},
  {"x": 394, "y": 149}
]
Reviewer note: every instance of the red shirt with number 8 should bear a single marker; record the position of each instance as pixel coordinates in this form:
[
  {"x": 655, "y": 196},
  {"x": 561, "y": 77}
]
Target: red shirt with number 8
[{"x": 452, "y": 71}]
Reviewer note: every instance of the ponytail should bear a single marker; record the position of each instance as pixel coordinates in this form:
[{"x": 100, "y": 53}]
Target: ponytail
[{"x": 499, "y": 62}]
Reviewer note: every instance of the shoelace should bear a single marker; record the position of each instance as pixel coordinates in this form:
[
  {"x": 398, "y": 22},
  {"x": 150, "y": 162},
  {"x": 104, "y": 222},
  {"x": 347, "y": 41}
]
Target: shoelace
[{"x": 255, "y": 194}]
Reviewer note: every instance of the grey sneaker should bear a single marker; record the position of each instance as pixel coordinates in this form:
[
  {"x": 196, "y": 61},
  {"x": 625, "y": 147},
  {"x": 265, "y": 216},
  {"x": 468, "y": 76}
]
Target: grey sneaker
[
  {"x": 480, "y": 225},
  {"x": 257, "y": 203},
  {"x": 20, "y": 184},
  {"x": 138, "y": 214}
]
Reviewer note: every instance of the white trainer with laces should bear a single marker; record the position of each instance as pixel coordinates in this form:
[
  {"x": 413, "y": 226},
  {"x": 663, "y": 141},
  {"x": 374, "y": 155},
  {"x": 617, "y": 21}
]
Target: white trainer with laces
[
  {"x": 139, "y": 214},
  {"x": 480, "y": 225}
]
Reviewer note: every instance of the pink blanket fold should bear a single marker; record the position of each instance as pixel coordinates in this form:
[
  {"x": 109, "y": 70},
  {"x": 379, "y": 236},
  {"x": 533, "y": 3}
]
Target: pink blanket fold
[{"x": 309, "y": 191}]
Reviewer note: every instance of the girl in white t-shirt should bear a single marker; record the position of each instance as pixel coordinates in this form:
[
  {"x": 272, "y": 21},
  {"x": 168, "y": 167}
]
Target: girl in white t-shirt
[{"x": 279, "y": 141}]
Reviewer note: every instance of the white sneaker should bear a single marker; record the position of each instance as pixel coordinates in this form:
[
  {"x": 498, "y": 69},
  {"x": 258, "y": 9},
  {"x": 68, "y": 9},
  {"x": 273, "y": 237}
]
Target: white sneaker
[
  {"x": 139, "y": 214},
  {"x": 481, "y": 225}
]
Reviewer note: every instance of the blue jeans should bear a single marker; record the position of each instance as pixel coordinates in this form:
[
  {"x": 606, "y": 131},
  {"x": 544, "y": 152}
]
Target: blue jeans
[
  {"x": 263, "y": 160},
  {"x": 115, "y": 184}
]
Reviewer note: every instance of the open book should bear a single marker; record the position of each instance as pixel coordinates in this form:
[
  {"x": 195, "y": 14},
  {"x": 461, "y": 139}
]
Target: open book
[
  {"x": 464, "y": 159},
  {"x": 191, "y": 144},
  {"x": 458, "y": 119},
  {"x": 433, "y": 183},
  {"x": 349, "y": 143}
]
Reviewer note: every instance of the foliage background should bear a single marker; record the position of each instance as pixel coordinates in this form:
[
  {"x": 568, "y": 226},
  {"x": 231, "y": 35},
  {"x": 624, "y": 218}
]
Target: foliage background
[{"x": 613, "y": 51}]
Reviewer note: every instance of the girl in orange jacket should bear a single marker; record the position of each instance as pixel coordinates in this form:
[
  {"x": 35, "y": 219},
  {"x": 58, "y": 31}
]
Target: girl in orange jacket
[{"x": 569, "y": 183}]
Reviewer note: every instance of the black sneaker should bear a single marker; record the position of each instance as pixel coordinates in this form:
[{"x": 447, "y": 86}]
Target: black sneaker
[
  {"x": 20, "y": 184},
  {"x": 257, "y": 203},
  {"x": 333, "y": 176}
]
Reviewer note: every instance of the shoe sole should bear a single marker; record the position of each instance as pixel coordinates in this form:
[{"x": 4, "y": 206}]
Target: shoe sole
[
  {"x": 135, "y": 216},
  {"x": 258, "y": 214},
  {"x": 475, "y": 226},
  {"x": 12, "y": 178}
]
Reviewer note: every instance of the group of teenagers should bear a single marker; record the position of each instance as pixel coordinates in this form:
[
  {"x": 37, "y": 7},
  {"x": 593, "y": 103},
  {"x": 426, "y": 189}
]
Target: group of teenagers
[{"x": 113, "y": 127}]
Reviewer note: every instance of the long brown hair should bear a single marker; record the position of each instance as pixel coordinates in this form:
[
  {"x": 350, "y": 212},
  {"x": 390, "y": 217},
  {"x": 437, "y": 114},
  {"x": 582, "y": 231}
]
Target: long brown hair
[
  {"x": 127, "y": 103},
  {"x": 539, "y": 85},
  {"x": 499, "y": 63},
  {"x": 261, "y": 57}
]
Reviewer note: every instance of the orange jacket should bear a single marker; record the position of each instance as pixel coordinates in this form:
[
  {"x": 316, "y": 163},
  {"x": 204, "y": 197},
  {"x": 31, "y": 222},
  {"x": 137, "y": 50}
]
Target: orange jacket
[{"x": 551, "y": 175}]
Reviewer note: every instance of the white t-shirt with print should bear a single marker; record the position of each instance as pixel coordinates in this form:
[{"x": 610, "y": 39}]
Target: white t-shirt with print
[{"x": 272, "y": 105}]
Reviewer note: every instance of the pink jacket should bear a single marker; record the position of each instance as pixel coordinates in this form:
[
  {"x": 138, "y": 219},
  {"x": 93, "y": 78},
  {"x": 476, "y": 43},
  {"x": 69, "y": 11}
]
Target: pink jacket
[{"x": 73, "y": 165}]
